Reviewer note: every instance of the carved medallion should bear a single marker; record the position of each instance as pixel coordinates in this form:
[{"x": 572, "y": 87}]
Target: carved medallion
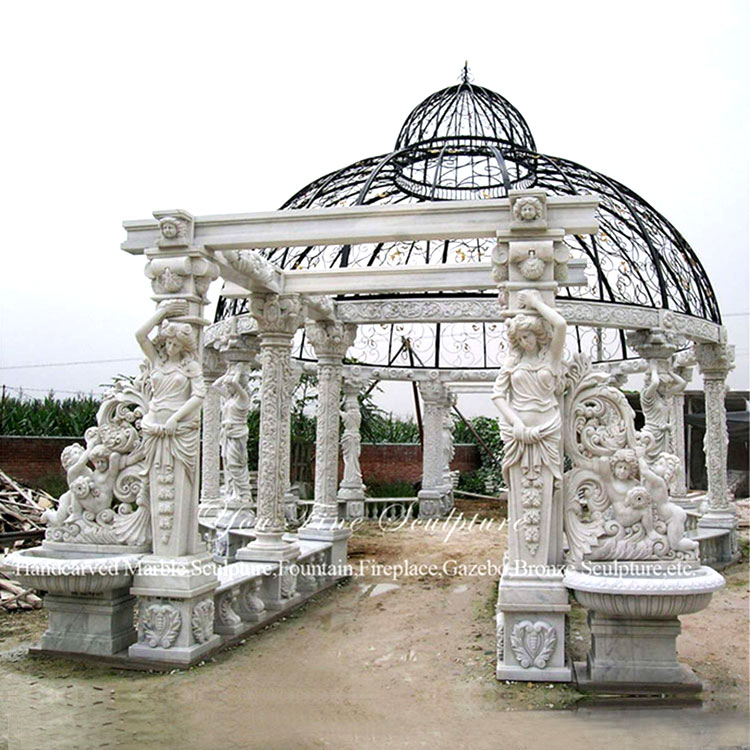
[
  {"x": 160, "y": 625},
  {"x": 533, "y": 643}
]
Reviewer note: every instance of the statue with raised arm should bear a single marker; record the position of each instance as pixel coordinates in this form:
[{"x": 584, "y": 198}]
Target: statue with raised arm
[
  {"x": 171, "y": 426},
  {"x": 235, "y": 405},
  {"x": 526, "y": 395},
  {"x": 656, "y": 402}
]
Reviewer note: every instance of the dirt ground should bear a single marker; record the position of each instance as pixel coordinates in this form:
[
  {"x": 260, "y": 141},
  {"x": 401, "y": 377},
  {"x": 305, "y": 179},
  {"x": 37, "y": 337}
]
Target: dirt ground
[{"x": 374, "y": 663}]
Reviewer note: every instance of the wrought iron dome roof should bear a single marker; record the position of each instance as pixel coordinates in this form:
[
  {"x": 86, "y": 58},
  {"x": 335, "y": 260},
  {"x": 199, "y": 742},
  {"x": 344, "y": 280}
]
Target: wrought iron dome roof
[{"x": 466, "y": 142}]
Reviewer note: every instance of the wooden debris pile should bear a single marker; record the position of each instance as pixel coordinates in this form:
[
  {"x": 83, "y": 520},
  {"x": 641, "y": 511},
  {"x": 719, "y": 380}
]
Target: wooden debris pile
[{"x": 21, "y": 525}]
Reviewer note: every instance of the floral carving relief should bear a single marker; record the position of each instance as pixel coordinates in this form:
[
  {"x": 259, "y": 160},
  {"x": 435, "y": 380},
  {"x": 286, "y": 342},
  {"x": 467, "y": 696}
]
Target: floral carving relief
[{"x": 160, "y": 625}]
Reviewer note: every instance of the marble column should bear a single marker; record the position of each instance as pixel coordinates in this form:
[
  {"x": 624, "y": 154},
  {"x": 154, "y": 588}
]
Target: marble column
[
  {"x": 290, "y": 499},
  {"x": 352, "y": 489},
  {"x": 681, "y": 365},
  {"x": 448, "y": 450},
  {"x": 715, "y": 361},
  {"x": 175, "y": 585},
  {"x": 210, "y": 454},
  {"x": 330, "y": 340},
  {"x": 278, "y": 318},
  {"x": 434, "y": 398}
]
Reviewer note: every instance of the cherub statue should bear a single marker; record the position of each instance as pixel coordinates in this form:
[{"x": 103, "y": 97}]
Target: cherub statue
[
  {"x": 74, "y": 459},
  {"x": 656, "y": 479}
]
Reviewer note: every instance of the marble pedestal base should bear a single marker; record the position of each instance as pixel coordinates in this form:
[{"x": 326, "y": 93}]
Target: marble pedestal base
[
  {"x": 336, "y": 557},
  {"x": 640, "y": 651},
  {"x": 353, "y": 499},
  {"x": 727, "y": 545},
  {"x": 531, "y": 629},
  {"x": 430, "y": 503},
  {"x": 175, "y": 609},
  {"x": 100, "y": 624}
]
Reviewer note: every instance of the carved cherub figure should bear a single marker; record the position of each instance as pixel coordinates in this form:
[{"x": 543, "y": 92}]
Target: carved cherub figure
[
  {"x": 656, "y": 479},
  {"x": 74, "y": 459},
  {"x": 106, "y": 468}
]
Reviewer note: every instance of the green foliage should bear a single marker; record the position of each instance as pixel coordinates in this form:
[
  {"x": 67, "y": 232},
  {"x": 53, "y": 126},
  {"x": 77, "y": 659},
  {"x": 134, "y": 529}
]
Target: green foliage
[
  {"x": 49, "y": 416},
  {"x": 391, "y": 489},
  {"x": 383, "y": 428}
]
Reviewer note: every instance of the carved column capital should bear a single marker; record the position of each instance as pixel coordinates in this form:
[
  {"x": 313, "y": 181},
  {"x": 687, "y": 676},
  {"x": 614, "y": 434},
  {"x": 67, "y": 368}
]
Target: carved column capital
[
  {"x": 276, "y": 314},
  {"x": 180, "y": 272},
  {"x": 655, "y": 344},
  {"x": 330, "y": 339},
  {"x": 433, "y": 392},
  {"x": 714, "y": 360}
]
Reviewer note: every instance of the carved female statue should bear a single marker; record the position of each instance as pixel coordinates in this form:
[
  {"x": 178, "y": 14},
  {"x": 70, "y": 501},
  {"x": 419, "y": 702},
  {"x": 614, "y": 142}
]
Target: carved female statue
[
  {"x": 657, "y": 409},
  {"x": 171, "y": 427},
  {"x": 526, "y": 395},
  {"x": 235, "y": 405},
  {"x": 351, "y": 443}
]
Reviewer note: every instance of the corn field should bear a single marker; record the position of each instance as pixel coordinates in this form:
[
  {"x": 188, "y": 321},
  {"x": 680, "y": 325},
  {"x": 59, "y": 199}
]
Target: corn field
[{"x": 48, "y": 416}]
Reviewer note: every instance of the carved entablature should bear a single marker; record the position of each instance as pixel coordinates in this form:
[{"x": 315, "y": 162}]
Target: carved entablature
[
  {"x": 259, "y": 274},
  {"x": 616, "y": 503}
]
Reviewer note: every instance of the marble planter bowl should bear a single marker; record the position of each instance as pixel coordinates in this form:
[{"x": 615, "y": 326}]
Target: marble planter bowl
[
  {"x": 633, "y": 620},
  {"x": 645, "y": 597},
  {"x": 63, "y": 575}
]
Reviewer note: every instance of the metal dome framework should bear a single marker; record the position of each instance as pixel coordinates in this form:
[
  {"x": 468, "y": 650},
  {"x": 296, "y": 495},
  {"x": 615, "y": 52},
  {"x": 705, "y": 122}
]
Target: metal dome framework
[{"x": 466, "y": 142}]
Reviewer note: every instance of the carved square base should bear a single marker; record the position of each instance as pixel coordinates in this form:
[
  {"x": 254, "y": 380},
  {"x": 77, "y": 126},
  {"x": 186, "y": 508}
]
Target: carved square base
[
  {"x": 99, "y": 624},
  {"x": 531, "y": 629},
  {"x": 336, "y": 556},
  {"x": 633, "y": 650},
  {"x": 430, "y": 504},
  {"x": 179, "y": 655},
  {"x": 175, "y": 630},
  {"x": 355, "y": 509},
  {"x": 256, "y": 552}
]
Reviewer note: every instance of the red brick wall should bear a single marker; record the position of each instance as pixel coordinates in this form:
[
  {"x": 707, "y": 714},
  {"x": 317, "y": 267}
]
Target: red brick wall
[
  {"x": 33, "y": 459},
  {"x": 393, "y": 462}
]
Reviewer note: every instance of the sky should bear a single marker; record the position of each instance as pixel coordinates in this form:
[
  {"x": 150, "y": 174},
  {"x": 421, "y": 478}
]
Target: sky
[{"x": 114, "y": 110}]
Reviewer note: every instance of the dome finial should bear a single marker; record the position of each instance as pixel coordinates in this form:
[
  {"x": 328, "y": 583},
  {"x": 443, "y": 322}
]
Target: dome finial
[{"x": 465, "y": 75}]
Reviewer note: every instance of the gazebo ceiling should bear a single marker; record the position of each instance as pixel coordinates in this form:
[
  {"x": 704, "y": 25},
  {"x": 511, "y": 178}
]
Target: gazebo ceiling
[{"x": 467, "y": 142}]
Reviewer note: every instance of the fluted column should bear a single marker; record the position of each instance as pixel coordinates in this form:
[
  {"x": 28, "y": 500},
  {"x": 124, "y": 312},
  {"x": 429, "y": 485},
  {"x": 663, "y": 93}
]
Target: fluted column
[
  {"x": 715, "y": 361},
  {"x": 434, "y": 396},
  {"x": 278, "y": 317},
  {"x": 330, "y": 339}
]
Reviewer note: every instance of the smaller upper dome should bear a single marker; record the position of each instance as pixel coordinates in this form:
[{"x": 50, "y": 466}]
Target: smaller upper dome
[{"x": 465, "y": 112}]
